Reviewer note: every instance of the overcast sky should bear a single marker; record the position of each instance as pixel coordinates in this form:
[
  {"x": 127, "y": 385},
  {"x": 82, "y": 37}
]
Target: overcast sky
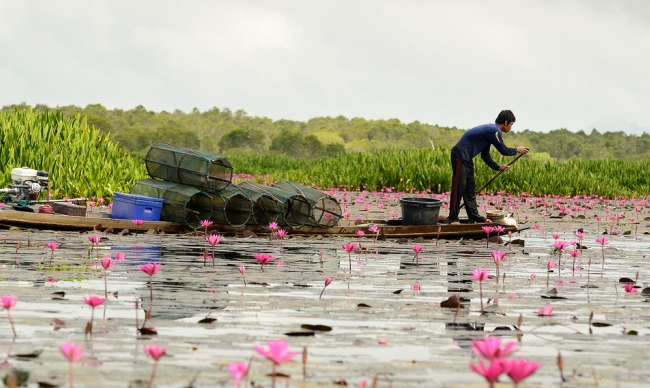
[{"x": 555, "y": 63}]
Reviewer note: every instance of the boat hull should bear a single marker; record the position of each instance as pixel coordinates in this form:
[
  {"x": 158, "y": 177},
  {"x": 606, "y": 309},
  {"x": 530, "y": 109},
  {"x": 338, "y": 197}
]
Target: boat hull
[{"x": 12, "y": 218}]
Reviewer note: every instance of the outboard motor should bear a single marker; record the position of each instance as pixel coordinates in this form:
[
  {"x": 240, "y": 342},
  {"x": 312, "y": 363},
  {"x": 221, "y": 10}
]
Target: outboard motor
[{"x": 27, "y": 186}]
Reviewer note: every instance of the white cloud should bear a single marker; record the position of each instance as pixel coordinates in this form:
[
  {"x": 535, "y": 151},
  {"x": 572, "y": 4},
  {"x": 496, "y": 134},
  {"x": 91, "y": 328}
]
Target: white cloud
[{"x": 555, "y": 63}]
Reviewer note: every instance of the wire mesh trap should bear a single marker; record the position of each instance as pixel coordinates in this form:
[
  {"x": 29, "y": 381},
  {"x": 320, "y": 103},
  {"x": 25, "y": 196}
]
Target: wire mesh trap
[
  {"x": 295, "y": 209},
  {"x": 326, "y": 210},
  {"x": 189, "y": 167},
  {"x": 182, "y": 203}
]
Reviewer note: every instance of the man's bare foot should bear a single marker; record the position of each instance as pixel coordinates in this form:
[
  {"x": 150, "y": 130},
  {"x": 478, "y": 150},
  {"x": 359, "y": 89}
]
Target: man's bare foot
[{"x": 455, "y": 223}]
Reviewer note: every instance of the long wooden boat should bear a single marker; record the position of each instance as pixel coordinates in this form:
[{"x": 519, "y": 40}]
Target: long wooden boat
[{"x": 348, "y": 228}]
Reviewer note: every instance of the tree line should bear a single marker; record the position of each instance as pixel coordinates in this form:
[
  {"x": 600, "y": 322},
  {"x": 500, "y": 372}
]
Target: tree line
[{"x": 222, "y": 131}]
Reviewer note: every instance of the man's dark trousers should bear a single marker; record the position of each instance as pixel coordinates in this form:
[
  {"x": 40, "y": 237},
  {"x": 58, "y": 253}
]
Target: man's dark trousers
[{"x": 463, "y": 186}]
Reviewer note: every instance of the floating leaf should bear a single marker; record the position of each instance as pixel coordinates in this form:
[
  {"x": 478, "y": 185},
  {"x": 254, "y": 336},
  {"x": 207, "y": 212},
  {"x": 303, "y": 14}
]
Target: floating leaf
[
  {"x": 147, "y": 331},
  {"x": 632, "y": 332},
  {"x": 59, "y": 293},
  {"x": 363, "y": 305},
  {"x": 316, "y": 327},
  {"x": 207, "y": 320},
  {"x": 300, "y": 334},
  {"x": 452, "y": 302},
  {"x": 553, "y": 297},
  {"x": 600, "y": 324},
  {"x": 646, "y": 291},
  {"x": 31, "y": 355},
  {"x": 626, "y": 280},
  {"x": 302, "y": 285},
  {"x": 342, "y": 383},
  {"x": 398, "y": 291}
]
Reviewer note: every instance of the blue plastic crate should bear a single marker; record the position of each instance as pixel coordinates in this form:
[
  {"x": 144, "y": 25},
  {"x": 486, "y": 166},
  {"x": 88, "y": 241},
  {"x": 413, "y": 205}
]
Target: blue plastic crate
[{"x": 136, "y": 207}]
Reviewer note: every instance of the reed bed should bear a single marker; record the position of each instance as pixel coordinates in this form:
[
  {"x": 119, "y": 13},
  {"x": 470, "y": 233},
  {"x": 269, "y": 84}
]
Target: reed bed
[
  {"x": 426, "y": 169},
  {"x": 81, "y": 161}
]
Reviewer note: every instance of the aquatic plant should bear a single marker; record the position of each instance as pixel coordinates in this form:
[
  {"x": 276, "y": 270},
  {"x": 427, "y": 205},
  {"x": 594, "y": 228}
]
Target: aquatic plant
[
  {"x": 72, "y": 353},
  {"x": 278, "y": 353},
  {"x": 52, "y": 246},
  {"x": 349, "y": 248},
  {"x": 574, "y": 254},
  {"x": 328, "y": 280},
  {"x": 545, "y": 311},
  {"x": 155, "y": 352},
  {"x": 92, "y": 301},
  {"x": 238, "y": 370},
  {"x": 150, "y": 269},
  {"x": 498, "y": 256},
  {"x": 242, "y": 271},
  {"x": 490, "y": 348},
  {"x": 107, "y": 263},
  {"x": 560, "y": 246},
  {"x": 482, "y": 276},
  {"x": 263, "y": 259},
  {"x": 487, "y": 230},
  {"x": 281, "y": 233},
  {"x": 602, "y": 240},
  {"x": 490, "y": 372},
  {"x": 417, "y": 248},
  {"x": 205, "y": 224},
  {"x": 138, "y": 224},
  {"x": 630, "y": 288},
  {"x": 213, "y": 239},
  {"x": 519, "y": 370},
  {"x": 549, "y": 266},
  {"x": 8, "y": 302}
]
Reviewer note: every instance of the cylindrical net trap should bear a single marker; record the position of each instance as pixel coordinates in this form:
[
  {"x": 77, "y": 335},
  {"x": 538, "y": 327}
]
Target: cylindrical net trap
[
  {"x": 295, "y": 209},
  {"x": 189, "y": 167},
  {"x": 231, "y": 206},
  {"x": 266, "y": 208},
  {"x": 326, "y": 211},
  {"x": 182, "y": 203}
]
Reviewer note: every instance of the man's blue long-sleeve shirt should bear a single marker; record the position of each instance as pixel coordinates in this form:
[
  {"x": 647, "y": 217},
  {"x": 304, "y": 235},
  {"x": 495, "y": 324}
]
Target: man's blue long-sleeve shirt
[{"x": 478, "y": 140}]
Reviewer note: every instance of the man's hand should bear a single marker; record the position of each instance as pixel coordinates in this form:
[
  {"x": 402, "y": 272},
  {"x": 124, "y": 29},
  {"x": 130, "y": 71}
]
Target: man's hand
[
  {"x": 523, "y": 150},
  {"x": 504, "y": 167}
]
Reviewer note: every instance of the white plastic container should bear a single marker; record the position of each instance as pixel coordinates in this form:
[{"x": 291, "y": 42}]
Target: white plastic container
[{"x": 23, "y": 174}]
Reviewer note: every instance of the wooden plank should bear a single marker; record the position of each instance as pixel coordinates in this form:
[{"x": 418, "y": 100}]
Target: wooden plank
[{"x": 64, "y": 222}]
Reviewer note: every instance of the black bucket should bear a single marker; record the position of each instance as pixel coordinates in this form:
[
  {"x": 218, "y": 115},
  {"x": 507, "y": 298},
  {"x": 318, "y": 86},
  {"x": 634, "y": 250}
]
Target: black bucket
[{"x": 420, "y": 211}]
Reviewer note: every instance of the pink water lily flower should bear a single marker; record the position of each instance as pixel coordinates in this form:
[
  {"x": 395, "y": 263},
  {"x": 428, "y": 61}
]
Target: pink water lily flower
[
  {"x": 630, "y": 288},
  {"x": 214, "y": 239},
  {"x": 107, "y": 263},
  {"x": 71, "y": 352},
  {"x": 150, "y": 268},
  {"x": 137, "y": 223},
  {"x": 519, "y": 370},
  {"x": 52, "y": 246},
  {"x": 120, "y": 256},
  {"x": 273, "y": 225},
  {"x": 349, "y": 248},
  {"x": 497, "y": 256},
  {"x": 155, "y": 351},
  {"x": 481, "y": 275},
  {"x": 93, "y": 300},
  {"x": 545, "y": 311},
  {"x": 361, "y": 233},
  {"x": 278, "y": 351},
  {"x": 374, "y": 229},
  {"x": 263, "y": 259},
  {"x": 490, "y": 348},
  {"x": 238, "y": 371},
  {"x": 94, "y": 240},
  {"x": 9, "y": 301},
  {"x": 491, "y": 372}
]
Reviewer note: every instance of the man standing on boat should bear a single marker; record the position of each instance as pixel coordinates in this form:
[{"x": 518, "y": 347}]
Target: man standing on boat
[{"x": 477, "y": 140}]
